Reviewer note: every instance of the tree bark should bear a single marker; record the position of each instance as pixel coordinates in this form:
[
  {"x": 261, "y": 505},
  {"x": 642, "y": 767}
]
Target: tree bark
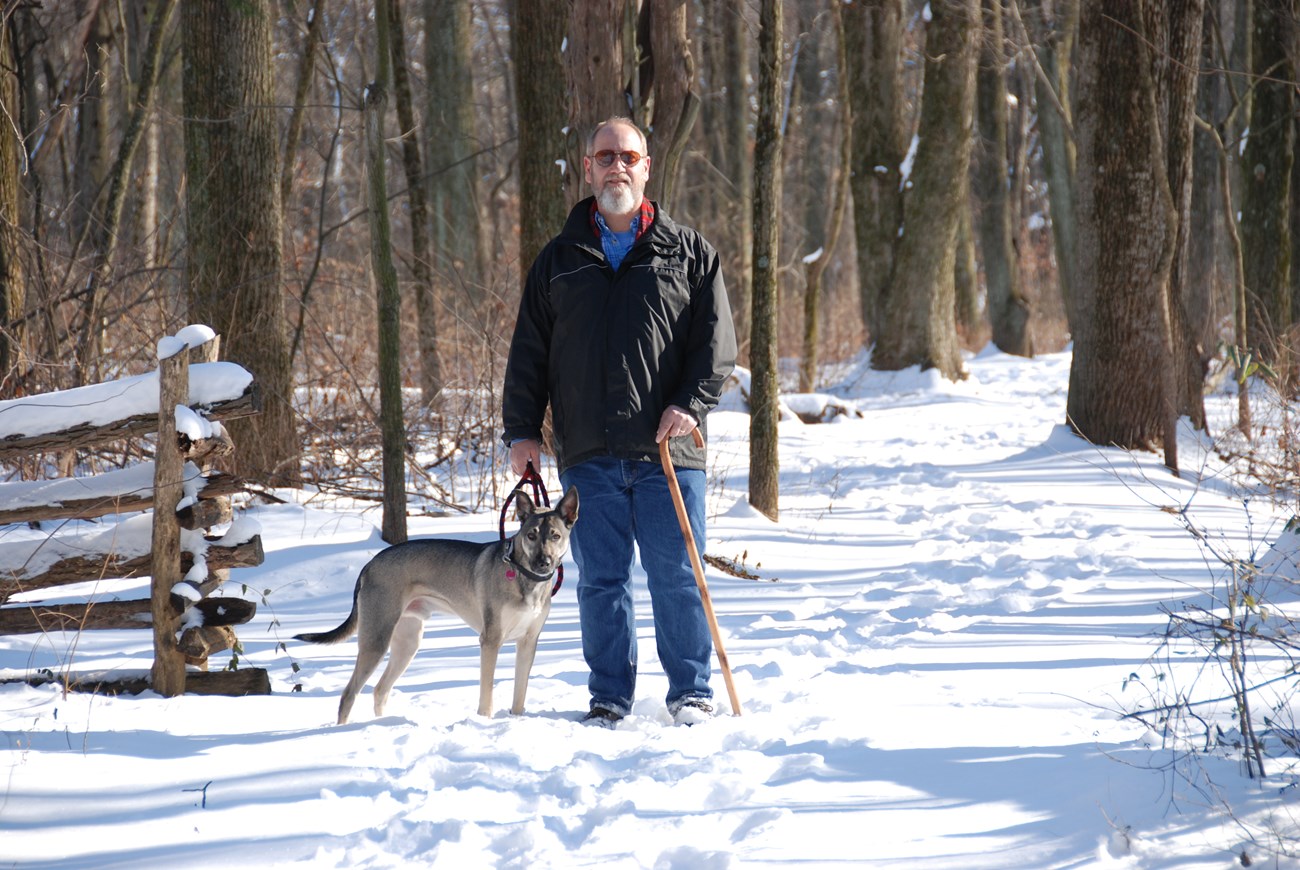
[
  {"x": 920, "y": 322},
  {"x": 1204, "y": 275},
  {"x": 1176, "y": 70},
  {"x": 739, "y": 167},
  {"x": 764, "y": 399},
  {"x": 234, "y": 234},
  {"x": 874, "y": 39},
  {"x": 536, "y": 34},
  {"x": 1008, "y": 305},
  {"x": 118, "y": 179},
  {"x": 827, "y": 238},
  {"x": 388, "y": 300},
  {"x": 1266, "y": 187},
  {"x": 674, "y": 101},
  {"x": 426, "y": 293},
  {"x": 13, "y": 275},
  {"x": 1052, "y": 31},
  {"x": 1121, "y": 382},
  {"x": 596, "y": 80},
  {"x": 458, "y": 248}
]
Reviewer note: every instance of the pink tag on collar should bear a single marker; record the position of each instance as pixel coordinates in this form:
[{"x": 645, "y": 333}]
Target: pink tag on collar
[{"x": 510, "y": 573}]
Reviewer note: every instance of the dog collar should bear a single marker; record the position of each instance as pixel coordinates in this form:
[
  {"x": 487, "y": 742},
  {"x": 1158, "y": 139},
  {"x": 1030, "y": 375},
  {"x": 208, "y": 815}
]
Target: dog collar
[{"x": 513, "y": 568}]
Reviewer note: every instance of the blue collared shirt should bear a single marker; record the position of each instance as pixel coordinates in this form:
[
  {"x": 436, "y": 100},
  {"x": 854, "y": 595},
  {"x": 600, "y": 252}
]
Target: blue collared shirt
[{"x": 616, "y": 245}]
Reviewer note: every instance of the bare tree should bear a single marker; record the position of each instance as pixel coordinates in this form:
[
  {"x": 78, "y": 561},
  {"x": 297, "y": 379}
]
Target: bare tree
[
  {"x": 1008, "y": 304},
  {"x": 13, "y": 278},
  {"x": 537, "y": 34},
  {"x": 919, "y": 318},
  {"x": 1122, "y": 380},
  {"x": 673, "y": 96},
  {"x": 234, "y": 240},
  {"x": 458, "y": 247},
  {"x": 426, "y": 296},
  {"x": 387, "y": 298},
  {"x": 823, "y": 225},
  {"x": 1048, "y": 40},
  {"x": 599, "y": 57},
  {"x": 1266, "y": 166},
  {"x": 874, "y": 41},
  {"x": 764, "y": 399}
]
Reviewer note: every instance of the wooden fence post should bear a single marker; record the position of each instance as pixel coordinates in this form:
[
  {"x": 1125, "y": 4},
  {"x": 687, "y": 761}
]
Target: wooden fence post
[{"x": 168, "y": 673}]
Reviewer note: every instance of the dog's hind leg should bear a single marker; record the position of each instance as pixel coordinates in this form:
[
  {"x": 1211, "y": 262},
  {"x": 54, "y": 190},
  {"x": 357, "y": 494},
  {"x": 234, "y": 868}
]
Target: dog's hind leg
[
  {"x": 401, "y": 649},
  {"x": 368, "y": 657}
]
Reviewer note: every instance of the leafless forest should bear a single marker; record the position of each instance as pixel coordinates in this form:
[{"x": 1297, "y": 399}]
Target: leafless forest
[{"x": 1027, "y": 172}]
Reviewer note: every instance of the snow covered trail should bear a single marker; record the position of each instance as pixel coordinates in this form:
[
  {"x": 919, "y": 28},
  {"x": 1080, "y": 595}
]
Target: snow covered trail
[{"x": 932, "y": 668}]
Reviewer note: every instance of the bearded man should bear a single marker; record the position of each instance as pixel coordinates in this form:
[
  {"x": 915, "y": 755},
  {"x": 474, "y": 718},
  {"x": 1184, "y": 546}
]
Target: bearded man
[{"x": 625, "y": 332}]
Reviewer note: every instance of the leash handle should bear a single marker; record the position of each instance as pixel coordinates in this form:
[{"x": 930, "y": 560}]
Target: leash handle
[{"x": 539, "y": 495}]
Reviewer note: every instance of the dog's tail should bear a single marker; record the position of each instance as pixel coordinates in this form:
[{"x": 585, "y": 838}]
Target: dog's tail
[{"x": 344, "y": 631}]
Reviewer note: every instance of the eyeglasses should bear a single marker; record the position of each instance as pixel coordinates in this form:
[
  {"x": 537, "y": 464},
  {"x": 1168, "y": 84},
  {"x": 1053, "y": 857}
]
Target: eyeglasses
[{"x": 605, "y": 159}]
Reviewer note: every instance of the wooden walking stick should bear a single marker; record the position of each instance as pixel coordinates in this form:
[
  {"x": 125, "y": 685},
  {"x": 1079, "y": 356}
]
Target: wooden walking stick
[{"x": 693, "y": 552}]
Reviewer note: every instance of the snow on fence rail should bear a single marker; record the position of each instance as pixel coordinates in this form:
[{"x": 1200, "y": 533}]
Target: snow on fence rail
[{"x": 184, "y": 401}]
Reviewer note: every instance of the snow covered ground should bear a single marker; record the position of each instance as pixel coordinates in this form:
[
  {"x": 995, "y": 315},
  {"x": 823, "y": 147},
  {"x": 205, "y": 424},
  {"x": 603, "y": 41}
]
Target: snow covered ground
[{"x": 958, "y": 604}]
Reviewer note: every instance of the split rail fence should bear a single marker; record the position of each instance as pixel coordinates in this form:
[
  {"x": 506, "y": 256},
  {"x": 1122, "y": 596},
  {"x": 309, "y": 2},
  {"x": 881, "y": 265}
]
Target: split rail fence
[{"x": 188, "y": 623}]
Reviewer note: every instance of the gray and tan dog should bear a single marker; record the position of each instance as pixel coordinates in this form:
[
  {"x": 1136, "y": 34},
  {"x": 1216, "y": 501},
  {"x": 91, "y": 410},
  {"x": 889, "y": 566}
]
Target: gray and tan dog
[{"x": 501, "y": 589}]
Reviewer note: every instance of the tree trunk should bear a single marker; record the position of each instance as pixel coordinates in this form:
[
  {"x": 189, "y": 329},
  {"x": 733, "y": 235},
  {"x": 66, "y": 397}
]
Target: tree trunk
[
  {"x": 92, "y": 151},
  {"x": 919, "y": 321},
  {"x": 965, "y": 274},
  {"x": 764, "y": 400},
  {"x": 453, "y": 165},
  {"x": 1176, "y": 70},
  {"x": 1266, "y": 187},
  {"x": 306, "y": 69},
  {"x": 536, "y": 34},
  {"x": 874, "y": 38},
  {"x": 1008, "y": 306},
  {"x": 828, "y": 238},
  {"x": 595, "y": 80},
  {"x": 1053, "y": 36},
  {"x": 1206, "y": 237},
  {"x": 234, "y": 233},
  {"x": 675, "y": 104},
  {"x": 739, "y": 168},
  {"x": 1120, "y": 374},
  {"x": 110, "y": 221},
  {"x": 388, "y": 300},
  {"x": 13, "y": 276},
  {"x": 426, "y": 295}
]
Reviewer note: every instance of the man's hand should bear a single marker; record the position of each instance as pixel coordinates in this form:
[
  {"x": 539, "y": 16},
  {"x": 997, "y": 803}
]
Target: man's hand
[
  {"x": 523, "y": 452},
  {"x": 675, "y": 421}
]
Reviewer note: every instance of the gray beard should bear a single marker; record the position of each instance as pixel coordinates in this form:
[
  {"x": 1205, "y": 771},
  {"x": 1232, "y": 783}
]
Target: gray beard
[{"x": 617, "y": 199}]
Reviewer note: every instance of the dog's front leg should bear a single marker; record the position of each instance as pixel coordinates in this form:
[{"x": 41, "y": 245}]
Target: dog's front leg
[
  {"x": 489, "y": 648},
  {"x": 525, "y": 652}
]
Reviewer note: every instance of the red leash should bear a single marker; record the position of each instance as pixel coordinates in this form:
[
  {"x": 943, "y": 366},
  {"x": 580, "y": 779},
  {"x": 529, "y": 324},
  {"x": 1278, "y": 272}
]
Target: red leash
[{"x": 539, "y": 495}]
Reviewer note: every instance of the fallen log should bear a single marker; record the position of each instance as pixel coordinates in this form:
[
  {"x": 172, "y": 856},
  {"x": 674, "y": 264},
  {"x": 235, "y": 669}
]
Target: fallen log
[
  {"x": 244, "y": 681},
  {"x": 216, "y": 485},
  {"x": 89, "y": 435},
  {"x": 79, "y": 569},
  {"x": 109, "y": 615}
]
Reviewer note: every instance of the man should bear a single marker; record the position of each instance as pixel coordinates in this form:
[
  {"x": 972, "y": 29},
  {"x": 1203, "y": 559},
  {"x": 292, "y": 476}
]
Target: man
[{"x": 624, "y": 329}]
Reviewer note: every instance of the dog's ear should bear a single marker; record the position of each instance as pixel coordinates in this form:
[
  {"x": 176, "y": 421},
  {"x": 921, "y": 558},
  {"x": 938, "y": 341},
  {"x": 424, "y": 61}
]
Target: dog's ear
[
  {"x": 524, "y": 507},
  {"x": 568, "y": 506}
]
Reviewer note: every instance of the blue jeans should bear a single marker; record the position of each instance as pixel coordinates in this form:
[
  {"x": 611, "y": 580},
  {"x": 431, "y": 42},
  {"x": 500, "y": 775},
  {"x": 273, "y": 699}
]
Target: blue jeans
[{"x": 623, "y": 503}]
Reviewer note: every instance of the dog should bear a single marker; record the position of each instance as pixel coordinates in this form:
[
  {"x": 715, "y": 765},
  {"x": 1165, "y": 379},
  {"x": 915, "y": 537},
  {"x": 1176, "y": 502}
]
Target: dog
[{"x": 501, "y": 589}]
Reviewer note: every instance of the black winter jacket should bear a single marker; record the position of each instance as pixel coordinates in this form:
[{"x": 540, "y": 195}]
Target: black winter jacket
[{"x": 610, "y": 350}]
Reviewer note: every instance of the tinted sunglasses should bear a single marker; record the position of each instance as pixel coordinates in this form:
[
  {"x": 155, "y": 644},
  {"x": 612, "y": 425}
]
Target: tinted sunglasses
[{"x": 605, "y": 159}]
